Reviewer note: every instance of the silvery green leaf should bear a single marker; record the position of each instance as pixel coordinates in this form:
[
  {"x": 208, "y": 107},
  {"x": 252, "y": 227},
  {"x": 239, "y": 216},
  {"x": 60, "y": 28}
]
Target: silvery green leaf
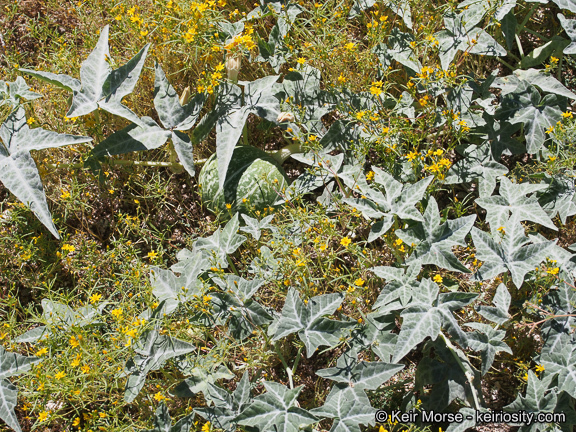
[
  {"x": 418, "y": 323},
  {"x": 227, "y": 406},
  {"x": 172, "y": 114},
  {"x": 266, "y": 265},
  {"x": 276, "y": 410},
  {"x": 59, "y": 80},
  {"x": 259, "y": 99},
  {"x": 223, "y": 242},
  {"x": 18, "y": 170},
  {"x": 33, "y": 335},
  {"x": 459, "y": 36},
  {"x": 163, "y": 421},
  {"x": 513, "y": 200},
  {"x": 19, "y": 174},
  {"x": 472, "y": 11},
  {"x": 242, "y": 288},
  {"x": 361, "y": 375},
  {"x": 349, "y": 407},
  {"x": 274, "y": 51},
  {"x": 566, "y": 4},
  {"x": 200, "y": 380},
  {"x": 434, "y": 241},
  {"x": 365, "y": 206},
  {"x": 61, "y": 315},
  {"x": 11, "y": 364},
  {"x": 427, "y": 315},
  {"x": 17, "y": 135},
  {"x": 307, "y": 319},
  {"x": 499, "y": 135},
  {"x": 171, "y": 289},
  {"x": 359, "y": 6},
  {"x": 569, "y": 26},
  {"x": 121, "y": 82},
  {"x": 501, "y": 300},
  {"x": 504, "y": 10},
  {"x": 184, "y": 150},
  {"x": 11, "y": 92},
  {"x": 399, "y": 49},
  {"x": 539, "y": 397},
  {"x": 510, "y": 253},
  {"x": 93, "y": 74},
  {"x": 539, "y": 55},
  {"x": 477, "y": 165},
  {"x": 254, "y": 226},
  {"x": 536, "y": 120},
  {"x": 545, "y": 82},
  {"x": 488, "y": 341},
  {"x": 132, "y": 138},
  {"x": 562, "y": 362},
  {"x": 401, "y": 284},
  {"x": 560, "y": 197},
  {"x": 152, "y": 350}
]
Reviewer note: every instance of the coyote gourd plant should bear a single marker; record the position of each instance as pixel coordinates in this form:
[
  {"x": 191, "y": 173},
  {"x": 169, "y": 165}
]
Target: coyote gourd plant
[{"x": 382, "y": 166}]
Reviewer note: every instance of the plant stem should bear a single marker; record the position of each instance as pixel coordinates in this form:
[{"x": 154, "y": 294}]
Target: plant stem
[
  {"x": 285, "y": 152},
  {"x": 468, "y": 375}
]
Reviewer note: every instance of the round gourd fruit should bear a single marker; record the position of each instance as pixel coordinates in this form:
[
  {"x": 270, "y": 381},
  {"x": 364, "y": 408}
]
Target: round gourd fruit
[{"x": 252, "y": 181}]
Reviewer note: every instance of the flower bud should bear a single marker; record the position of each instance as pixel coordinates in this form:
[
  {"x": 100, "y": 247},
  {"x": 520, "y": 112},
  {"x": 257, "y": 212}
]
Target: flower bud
[
  {"x": 185, "y": 96},
  {"x": 233, "y": 67}
]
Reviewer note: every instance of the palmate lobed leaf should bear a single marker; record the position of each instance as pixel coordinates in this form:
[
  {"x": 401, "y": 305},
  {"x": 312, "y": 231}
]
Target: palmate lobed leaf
[
  {"x": 276, "y": 410},
  {"x": 434, "y": 240},
  {"x": 511, "y": 253},
  {"x": 349, "y": 407},
  {"x": 152, "y": 350},
  {"x": 307, "y": 319}
]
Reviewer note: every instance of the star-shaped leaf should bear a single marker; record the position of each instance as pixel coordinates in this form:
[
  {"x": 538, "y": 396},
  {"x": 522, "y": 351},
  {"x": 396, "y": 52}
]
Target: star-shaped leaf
[
  {"x": 560, "y": 197},
  {"x": 276, "y": 410},
  {"x": 99, "y": 85},
  {"x": 509, "y": 253},
  {"x": 399, "y": 199},
  {"x": 434, "y": 240},
  {"x": 18, "y": 170},
  {"x": 536, "y": 400},
  {"x": 152, "y": 350},
  {"x": 349, "y": 407},
  {"x": 501, "y": 300},
  {"x": 222, "y": 243},
  {"x": 562, "y": 362},
  {"x": 462, "y": 36},
  {"x": 360, "y": 375},
  {"x": 307, "y": 318},
  {"x": 477, "y": 165},
  {"x": 401, "y": 284},
  {"x": 513, "y": 200},
  {"x": 488, "y": 341},
  {"x": 427, "y": 315},
  {"x": 227, "y": 406},
  {"x": 259, "y": 99}
]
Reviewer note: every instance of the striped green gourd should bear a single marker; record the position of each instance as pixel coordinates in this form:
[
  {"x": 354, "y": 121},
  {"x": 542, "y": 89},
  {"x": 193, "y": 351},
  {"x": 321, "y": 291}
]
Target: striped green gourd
[{"x": 252, "y": 181}]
